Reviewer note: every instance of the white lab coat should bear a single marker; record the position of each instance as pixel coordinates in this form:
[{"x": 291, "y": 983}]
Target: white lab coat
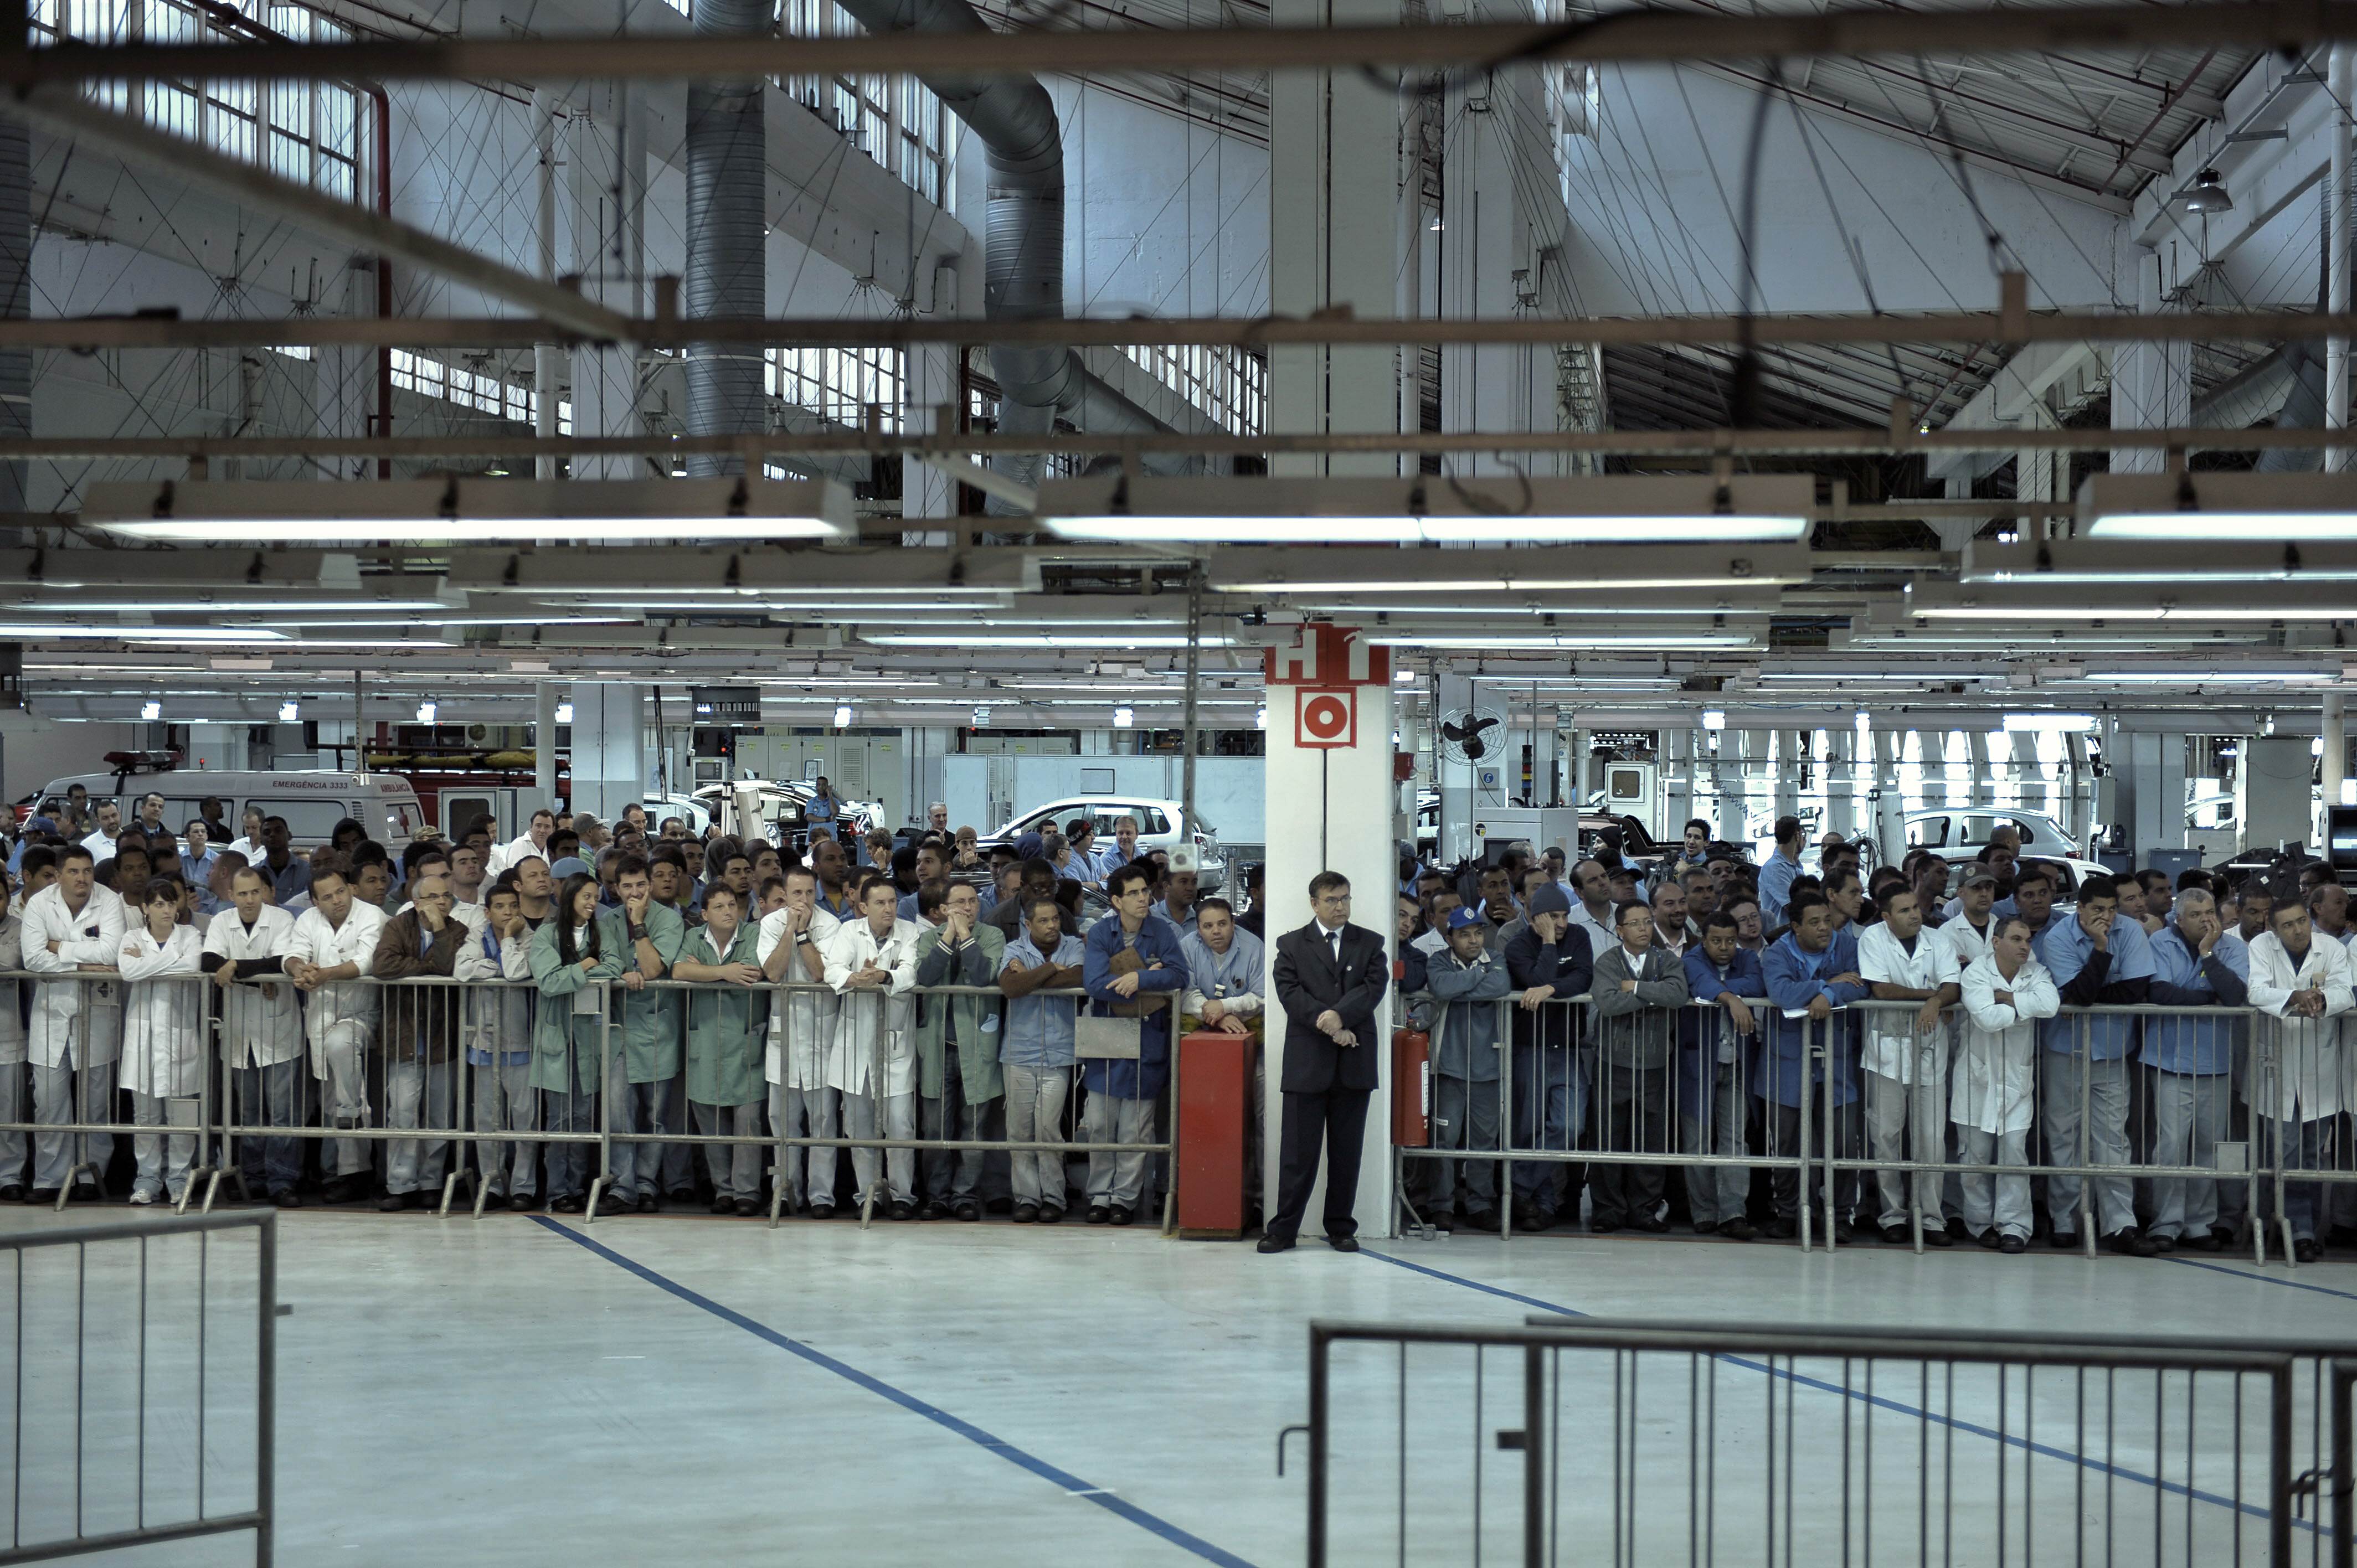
[
  {"x": 163, "y": 1012},
  {"x": 1968, "y": 945},
  {"x": 93, "y": 936},
  {"x": 801, "y": 1022},
  {"x": 2307, "y": 1051},
  {"x": 350, "y": 1005},
  {"x": 1892, "y": 1047},
  {"x": 497, "y": 1018},
  {"x": 890, "y": 1009},
  {"x": 12, "y": 1022},
  {"x": 261, "y": 1025},
  {"x": 1996, "y": 1049},
  {"x": 503, "y": 855}
]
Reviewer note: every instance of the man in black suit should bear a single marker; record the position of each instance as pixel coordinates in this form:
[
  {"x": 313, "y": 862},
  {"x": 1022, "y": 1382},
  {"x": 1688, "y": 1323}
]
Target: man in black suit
[{"x": 1330, "y": 976}]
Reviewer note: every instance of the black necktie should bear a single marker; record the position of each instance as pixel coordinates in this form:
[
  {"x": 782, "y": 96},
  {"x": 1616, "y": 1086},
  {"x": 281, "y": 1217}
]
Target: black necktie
[{"x": 1336, "y": 937}]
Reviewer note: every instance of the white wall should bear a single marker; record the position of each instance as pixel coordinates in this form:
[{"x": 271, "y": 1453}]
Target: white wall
[
  {"x": 28, "y": 760},
  {"x": 1229, "y": 791}
]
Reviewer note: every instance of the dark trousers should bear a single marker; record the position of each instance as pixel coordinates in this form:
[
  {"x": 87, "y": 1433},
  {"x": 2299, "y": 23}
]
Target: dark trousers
[
  {"x": 1339, "y": 1117},
  {"x": 1630, "y": 1118}
]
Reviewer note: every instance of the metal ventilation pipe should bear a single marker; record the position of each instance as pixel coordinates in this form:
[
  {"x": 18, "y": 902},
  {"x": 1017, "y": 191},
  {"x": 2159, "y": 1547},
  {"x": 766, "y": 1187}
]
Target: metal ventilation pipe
[
  {"x": 16, "y": 300},
  {"x": 1023, "y": 273},
  {"x": 727, "y": 263}
]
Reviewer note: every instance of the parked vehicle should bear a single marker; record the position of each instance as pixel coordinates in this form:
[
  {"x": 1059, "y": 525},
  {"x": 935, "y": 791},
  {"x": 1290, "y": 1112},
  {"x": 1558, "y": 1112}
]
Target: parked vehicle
[
  {"x": 312, "y": 802},
  {"x": 1963, "y": 831},
  {"x": 1161, "y": 824},
  {"x": 697, "y": 815}
]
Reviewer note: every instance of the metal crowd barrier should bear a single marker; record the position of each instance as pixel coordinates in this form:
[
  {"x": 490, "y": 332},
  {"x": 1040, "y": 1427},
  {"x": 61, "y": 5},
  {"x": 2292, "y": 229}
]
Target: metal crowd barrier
[
  {"x": 143, "y": 1395},
  {"x": 1629, "y": 1117},
  {"x": 385, "y": 1062},
  {"x": 1639, "y": 1442}
]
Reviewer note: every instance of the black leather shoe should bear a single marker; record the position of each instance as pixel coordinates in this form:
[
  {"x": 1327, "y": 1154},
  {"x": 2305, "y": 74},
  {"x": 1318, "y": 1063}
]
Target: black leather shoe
[
  {"x": 2063, "y": 1241},
  {"x": 721, "y": 1204},
  {"x": 286, "y": 1198},
  {"x": 1780, "y": 1230},
  {"x": 1705, "y": 1227},
  {"x": 822, "y": 1211},
  {"x": 1897, "y": 1235},
  {"x": 1844, "y": 1234},
  {"x": 1484, "y": 1219},
  {"x": 2307, "y": 1251},
  {"x": 936, "y": 1209},
  {"x": 393, "y": 1203},
  {"x": 2013, "y": 1244},
  {"x": 746, "y": 1208},
  {"x": 1739, "y": 1228},
  {"x": 1024, "y": 1213},
  {"x": 344, "y": 1190},
  {"x": 1122, "y": 1216},
  {"x": 1652, "y": 1225},
  {"x": 494, "y": 1202},
  {"x": 1099, "y": 1214},
  {"x": 1992, "y": 1239},
  {"x": 2137, "y": 1242},
  {"x": 1343, "y": 1243},
  {"x": 904, "y": 1210},
  {"x": 1050, "y": 1214},
  {"x": 648, "y": 1203},
  {"x": 13, "y": 1193},
  {"x": 614, "y": 1203},
  {"x": 524, "y": 1202},
  {"x": 1937, "y": 1236},
  {"x": 1275, "y": 1244},
  {"x": 567, "y": 1204},
  {"x": 968, "y": 1210}
]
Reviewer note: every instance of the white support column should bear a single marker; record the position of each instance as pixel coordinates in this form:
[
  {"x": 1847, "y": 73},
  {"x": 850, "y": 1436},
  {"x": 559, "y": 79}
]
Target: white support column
[
  {"x": 2334, "y": 763},
  {"x": 607, "y": 216},
  {"x": 547, "y": 358},
  {"x": 1677, "y": 781},
  {"x": 2341, "y": 77},
  {"x": 1330, "y": 808},
  {"x": 1545, "y": 738},
  {"x": 1451, "y": 777},
  {"x": 1334, "y": 190},
  {"x": 544, "y": 697},
  {"x": 608, "y": 753}
]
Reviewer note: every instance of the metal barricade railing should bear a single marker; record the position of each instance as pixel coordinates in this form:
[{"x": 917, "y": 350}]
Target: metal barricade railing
[
  {"x": 885, "y": 1142},
  {"x": 135, "y": 1387},
  {"x": 1735, "y": 1445},
  {"x": 1894, "y": 1149}
]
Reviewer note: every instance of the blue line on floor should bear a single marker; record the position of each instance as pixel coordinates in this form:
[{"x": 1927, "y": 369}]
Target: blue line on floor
[
  {"x": 1073, "y": 1485},
  {"x": 2265, "y": 1279},
  {"x": 1879, "y": 1400}
]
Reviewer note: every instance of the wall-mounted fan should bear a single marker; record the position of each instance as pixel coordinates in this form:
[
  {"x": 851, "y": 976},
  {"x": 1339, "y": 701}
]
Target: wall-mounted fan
[{"x": 1472, "y": 734}]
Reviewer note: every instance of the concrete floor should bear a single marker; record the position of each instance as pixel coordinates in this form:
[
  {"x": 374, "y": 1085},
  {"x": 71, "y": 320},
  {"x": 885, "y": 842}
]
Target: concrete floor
[{"x": 527, "y": 1391}]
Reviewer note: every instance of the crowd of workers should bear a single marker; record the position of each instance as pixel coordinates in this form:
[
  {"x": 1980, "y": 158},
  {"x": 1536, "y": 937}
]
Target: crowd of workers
[
  {"x": 720, "y": 987},
  {"x": 638, "y": 978},
  {"x": 1925, "y": 1013}
]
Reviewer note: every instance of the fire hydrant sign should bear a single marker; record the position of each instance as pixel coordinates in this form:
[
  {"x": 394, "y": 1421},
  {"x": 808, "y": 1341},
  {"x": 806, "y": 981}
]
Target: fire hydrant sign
[{"x": 1325, "y": 718}]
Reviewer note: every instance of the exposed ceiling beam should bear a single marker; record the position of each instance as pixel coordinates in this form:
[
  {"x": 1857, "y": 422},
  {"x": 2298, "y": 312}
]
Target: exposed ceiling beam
[
  {"x": 1967, "y": 327},
  {"x": 1651, "y": 35},
  {"x": 63, "y": 112}
]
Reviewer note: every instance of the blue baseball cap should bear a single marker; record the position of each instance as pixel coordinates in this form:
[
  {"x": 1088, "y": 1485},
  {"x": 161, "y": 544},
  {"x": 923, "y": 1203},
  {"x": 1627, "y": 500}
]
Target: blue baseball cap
[{"x": 1460, "y": 918}]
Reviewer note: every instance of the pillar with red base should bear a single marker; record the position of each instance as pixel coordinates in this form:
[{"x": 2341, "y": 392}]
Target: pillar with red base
[{"x": 1331, "y": 800}]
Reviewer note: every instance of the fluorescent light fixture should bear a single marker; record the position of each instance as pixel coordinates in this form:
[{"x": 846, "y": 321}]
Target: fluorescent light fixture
[
  {"x": 1122, "y": 717},
  {"x": 150, "y": 712},
  {"x": 565, "y": 713},
  {"x": 842, "y": 715},
  {"x": 2213, "y": 677},
  {"x": 1607, "y": 509},
  {"x": 37, "y": 632},
  {"x": 2048, "y": 724},
  {"x": 318, "y": 512},
  {"x": 290, "y": 712},
  {"x": 1569, "y": 641},
  {"x": 2040, "y": 563},
  {"x": 2248, "y": 508},
  {"x": 425, "y": 712},
  {"x": 1714, "y": 718},
  {"x": 982, "y": 716},
  {"x": 1038, "y": 639},
  {"x": 183, "y": 604}
]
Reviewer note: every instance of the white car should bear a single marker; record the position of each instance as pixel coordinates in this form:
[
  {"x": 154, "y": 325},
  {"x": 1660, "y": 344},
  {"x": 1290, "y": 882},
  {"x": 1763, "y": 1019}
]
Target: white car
[
  {"x": 694, "y": 813},
  {"x": 1161, "y": 824},
  {"x": 1961, "y": 832}
]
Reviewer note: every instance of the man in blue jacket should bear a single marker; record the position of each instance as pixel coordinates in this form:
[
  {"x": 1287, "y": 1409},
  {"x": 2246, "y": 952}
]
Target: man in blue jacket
[
  {"x": 1133, "y": 967},
  {"x": 1811, "y": 971},
  {"x": 1546, "y": 965},
  {"x": 1718, "y": 1038},
  {"x": 1470, "y": 981},
  {"x": 2189, "y": 1063},
  {"x": 2096, "y": 960}
]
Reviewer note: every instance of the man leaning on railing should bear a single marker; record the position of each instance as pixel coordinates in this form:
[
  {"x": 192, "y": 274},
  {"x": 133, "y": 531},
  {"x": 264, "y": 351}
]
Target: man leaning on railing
[
  {"x": 2096, "y": 960},
  {"x": 1547, "y": 965},
  {"x": 2189, "y": 1066},
  {"x": 1636, "y": 988},
  {"x": 1719, "y": 1040},
  {"x": 2304, "y": 985},
  {"x": 1470, "y": 981}
]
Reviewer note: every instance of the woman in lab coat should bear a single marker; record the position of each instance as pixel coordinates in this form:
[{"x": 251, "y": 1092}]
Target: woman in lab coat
[
  {"x": 163, "y": 1033},
  {"x": 568, "y": 1039}
]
